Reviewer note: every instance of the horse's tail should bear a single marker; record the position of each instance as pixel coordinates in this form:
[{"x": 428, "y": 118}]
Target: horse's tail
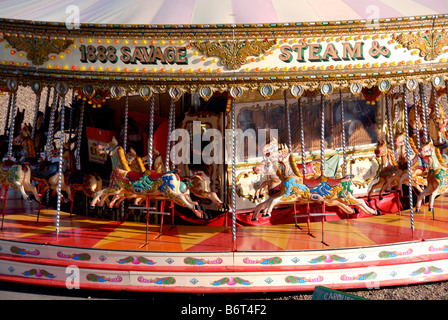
[{"x": 294, "y": 167}]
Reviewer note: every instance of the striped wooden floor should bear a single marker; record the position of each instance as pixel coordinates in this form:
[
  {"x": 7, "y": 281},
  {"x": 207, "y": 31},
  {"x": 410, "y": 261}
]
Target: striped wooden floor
[{"x": 111, "y": 255}]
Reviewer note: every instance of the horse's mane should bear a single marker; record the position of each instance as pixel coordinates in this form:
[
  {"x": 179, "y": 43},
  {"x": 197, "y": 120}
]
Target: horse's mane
[
  {"x": 440, "y": 157},
  {"x": 392, "y": 158},
  {"x": 295, "y": 169},
  {"x": 122, "y": 158}
]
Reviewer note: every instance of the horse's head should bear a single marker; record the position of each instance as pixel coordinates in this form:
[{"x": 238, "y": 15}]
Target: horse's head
[
  {"x": 381, "y": 149},
  {"x": 270, "y": 150},
  {"x": 426, "y": 149},
  {"x": 265, "y": 167},
  {"x": 107, "y": 149},
  {"x": 283, "y": 153},
  {"x": 131, "y": 155},
  {"x": 400, "y": 139}
]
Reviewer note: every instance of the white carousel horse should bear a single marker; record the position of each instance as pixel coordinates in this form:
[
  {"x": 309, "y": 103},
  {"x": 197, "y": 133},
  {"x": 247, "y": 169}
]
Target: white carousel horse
[
  {"x": 295, "y": 189},
  {"x": 437, "y": 176}
]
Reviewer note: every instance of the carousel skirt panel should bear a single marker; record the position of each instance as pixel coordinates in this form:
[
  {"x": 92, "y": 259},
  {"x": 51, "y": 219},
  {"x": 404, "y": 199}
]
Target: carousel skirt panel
[{"x": 93, "y": 253}]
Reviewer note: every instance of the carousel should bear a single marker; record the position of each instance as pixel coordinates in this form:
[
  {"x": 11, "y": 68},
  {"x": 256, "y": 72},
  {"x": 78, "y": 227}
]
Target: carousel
[{"x": 247, "y": 149}]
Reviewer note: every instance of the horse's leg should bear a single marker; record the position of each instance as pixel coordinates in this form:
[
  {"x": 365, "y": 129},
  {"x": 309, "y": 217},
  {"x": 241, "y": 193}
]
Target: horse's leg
[
  {"x": 96, "y": 198},
  {"x": 336, "y": 202},
  {"x": 373, "y": 187},
  {"x": 383, "y": 188},
  {"x": 428, "y": 190},
  {"x": 193, "y": 206},
  {"x": 271, "y": 206},
  {"x": 258, "y": 208},
  {"x": 350, "y": 199}
]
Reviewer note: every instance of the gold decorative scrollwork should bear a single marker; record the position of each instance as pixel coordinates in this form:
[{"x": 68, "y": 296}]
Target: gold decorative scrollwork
[
  {"x": 233, "y": 54},
  {"x": 38, "y": 49},
  {"x": 430, "y": 44}
]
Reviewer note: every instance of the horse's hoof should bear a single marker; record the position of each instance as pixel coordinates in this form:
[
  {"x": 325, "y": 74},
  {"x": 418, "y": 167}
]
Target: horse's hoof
[
  {"x": 355, "y": 210},
  {"x": 378, "y": 212},
  {"x": 368, "y": 200},
  {"x": 254, "y": 219},
  {"x": 417, "y": 210},
  {"x": 264, "y": 215},
  {"x": 431, "y": 209},
  {"x": 381, "y": 198}
]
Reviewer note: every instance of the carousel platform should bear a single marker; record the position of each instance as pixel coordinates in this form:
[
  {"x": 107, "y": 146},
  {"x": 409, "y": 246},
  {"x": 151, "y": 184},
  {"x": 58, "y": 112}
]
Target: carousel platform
[{"x": 91, "y": 253}]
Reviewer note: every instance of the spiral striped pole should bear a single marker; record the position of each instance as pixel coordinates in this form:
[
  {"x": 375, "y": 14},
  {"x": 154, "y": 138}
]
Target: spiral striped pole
[
  {"x": 408, "y": 158},
  {"x": 233, "y": 175},
  {"x": 151, "y": 132},
  {"x": 344, "y": 144},
  {"x": 12, "y": 123},
  {"x": 60, "y": 167},
  {"x": 288, "y": 120}
]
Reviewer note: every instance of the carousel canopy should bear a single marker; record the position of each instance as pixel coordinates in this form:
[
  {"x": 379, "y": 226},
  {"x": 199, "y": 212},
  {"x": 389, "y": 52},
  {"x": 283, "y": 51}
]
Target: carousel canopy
[
  {"x": 193, "y": 12},
  {"x": 206, "y": 46}
]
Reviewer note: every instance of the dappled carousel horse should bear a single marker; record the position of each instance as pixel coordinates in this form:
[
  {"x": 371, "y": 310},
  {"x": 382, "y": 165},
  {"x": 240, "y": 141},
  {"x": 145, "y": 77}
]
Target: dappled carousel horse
[
  {"x": 44, "y": 172},
  {"x": 125, "y": 183},
  {"x": 17, "y": 176},
  {"x": 295, "y": 189},
  {"x": 197, "y": 184}
]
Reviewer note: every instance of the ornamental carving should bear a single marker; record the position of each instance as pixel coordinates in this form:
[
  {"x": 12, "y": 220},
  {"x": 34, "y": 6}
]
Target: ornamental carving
[
  {"x": 429, "y": 44},
  {"x": 234, "y": 54},
  {"x": 38, "y": 49}
]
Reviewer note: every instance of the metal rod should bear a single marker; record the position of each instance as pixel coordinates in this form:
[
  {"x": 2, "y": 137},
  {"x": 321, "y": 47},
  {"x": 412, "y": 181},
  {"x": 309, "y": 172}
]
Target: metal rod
[
  {"x": 61, "y": 164},
  {"x": 288, "y": 119},
  {"x": 151, "y": 132},
  {"x": 12, "y": 123},
  {"x": 233, "y": 175},
  {"x": 322, "y": 136},
  {"x": 408, "y": 158}
]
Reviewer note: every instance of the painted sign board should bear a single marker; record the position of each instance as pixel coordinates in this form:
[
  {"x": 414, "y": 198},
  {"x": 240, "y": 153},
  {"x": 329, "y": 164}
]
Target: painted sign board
[{"x": 324, "y": 293}]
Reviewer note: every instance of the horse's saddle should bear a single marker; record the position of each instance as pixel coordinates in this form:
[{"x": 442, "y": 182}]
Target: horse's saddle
[
  {"x": 44, "y": 170},
  {"x": 76, "y": 177},
  {"x": 7, "y": 164},
  {"x": 152, "y": 175},
  {"x": 312, "y": 183}
]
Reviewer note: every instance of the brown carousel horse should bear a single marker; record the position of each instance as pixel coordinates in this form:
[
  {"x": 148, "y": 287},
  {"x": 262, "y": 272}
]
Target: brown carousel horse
[
  {"x": 385, "y": 174},
  {"x": 296, "y": 189},
  {"x": 419, "y": 168},
  {"x": 76, "y": 179}
]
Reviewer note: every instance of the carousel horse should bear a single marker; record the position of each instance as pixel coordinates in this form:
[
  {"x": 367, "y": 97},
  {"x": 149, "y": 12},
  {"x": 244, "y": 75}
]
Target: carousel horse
[
  {"x": 125, "y": 183},
  {"x": 4, "y": 139},
  {"x": 198, "y": 184},
  {"x": 386, "y": 170},
  {"x": 296, "y": 189},
  {"x": 44, "y": 172},
  {"x": 419, "y": 168},
  {"x": 165, "y": 186},
  {"x": 17, "y": 176},
  {"x": 437, "y": 176},
  {"x": 76, "y": 179}
]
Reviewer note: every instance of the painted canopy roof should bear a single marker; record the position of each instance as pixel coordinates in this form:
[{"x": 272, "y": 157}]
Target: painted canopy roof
[{"x": 178, "y": 12}]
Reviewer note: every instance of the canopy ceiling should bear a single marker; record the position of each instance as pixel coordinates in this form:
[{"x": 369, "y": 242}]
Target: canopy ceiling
[{"x": 184, "y": 12}]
